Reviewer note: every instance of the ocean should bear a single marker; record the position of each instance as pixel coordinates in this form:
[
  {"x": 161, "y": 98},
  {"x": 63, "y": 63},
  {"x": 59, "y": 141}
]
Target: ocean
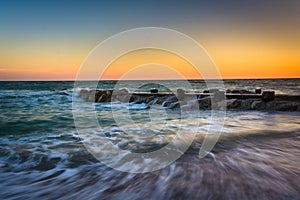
[{"x": 42, "y": 156}]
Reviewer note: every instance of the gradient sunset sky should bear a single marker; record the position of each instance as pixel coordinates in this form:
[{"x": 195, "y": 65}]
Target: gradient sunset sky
[{"x": 48, "y": 40}]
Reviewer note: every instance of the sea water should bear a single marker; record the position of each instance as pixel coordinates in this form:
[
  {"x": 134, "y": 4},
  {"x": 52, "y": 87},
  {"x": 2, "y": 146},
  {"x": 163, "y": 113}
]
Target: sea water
[{"x": 43, "y": 156}]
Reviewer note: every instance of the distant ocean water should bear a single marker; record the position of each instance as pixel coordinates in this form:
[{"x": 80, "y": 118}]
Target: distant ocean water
[{"x": 42, "y": 156}]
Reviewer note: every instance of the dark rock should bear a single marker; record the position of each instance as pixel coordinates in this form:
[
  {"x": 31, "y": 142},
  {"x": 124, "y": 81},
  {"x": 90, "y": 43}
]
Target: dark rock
[
  {"x": 246, "y": 92},
  {"x": 287, "y": 106},
  {"x": 107, "y": 134},
  {"x": 246, "y": 104},
  {"x": 137, "y": 99},
  {"x": 180, "y": 94},
  {"x": 100, "y": 99},
  {"x": 191, "y": 105},
  {"x": 153, "y": 90},
  {"x": 121, "y": 95},
  {"x": 235, "y": 91},
  {"x": 204, "y": 103},
  {"x": 233, "y": 103},
  {"x": 174, "y": 105},
  {"x": 152, "y": 102},
  {"x": 271, "y": 105},
  {"x": 205, "y": 100},
  {"x": 268, "y": 96},
  {"x": 99, "y": 94},
  {"x": 149, "y": 99},
  {"x": 219, "y": 96},
  {"x": 103, "y": 96},
  {"x": 285, "y": 97},
  {"x": 257, "y": 91},
  {"x": 258, "y": 105},
  {"x": 210, "y": 101},
  {"x": 166, "y": 103},
  {"x": 133, "y": 98},
  {"x": 161, "y": 100},
  {"x": 241, "y": 92},
  {"x": 169, "y": 99}
]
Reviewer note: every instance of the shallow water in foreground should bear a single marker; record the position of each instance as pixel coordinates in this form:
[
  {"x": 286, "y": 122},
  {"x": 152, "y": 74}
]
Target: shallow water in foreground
[
  {"x": 43, "y": 157},
  {"x": 261, "y": 165}
]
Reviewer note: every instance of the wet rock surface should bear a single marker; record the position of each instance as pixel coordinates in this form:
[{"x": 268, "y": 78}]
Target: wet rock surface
[
  {"x": 268, "y": 96},
  {"x": 209, "y": 99}
]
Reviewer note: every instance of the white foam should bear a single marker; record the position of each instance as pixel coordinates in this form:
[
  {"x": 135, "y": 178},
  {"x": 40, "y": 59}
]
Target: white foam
[{"x": 141, "y": 106}]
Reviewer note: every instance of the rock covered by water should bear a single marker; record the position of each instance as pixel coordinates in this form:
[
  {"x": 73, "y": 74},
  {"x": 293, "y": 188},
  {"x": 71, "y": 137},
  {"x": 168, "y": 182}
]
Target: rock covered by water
[{"x": 213, "y": 99}]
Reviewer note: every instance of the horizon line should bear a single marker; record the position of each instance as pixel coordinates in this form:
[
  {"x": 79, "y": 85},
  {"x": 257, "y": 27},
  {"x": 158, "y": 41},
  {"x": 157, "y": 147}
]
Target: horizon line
[{"x": 73, "y": 80}]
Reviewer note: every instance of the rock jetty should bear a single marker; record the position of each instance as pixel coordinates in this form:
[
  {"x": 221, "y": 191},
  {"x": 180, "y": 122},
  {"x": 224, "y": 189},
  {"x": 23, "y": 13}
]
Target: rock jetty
[{"x": 209, "y": 99}]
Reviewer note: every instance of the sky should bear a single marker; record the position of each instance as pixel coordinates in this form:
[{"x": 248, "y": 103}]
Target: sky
[{"x": 49, "y": 40}]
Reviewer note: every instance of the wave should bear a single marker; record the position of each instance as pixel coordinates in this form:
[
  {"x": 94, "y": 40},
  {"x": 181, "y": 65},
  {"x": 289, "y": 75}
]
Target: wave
[{"x": 58, "y": 166}]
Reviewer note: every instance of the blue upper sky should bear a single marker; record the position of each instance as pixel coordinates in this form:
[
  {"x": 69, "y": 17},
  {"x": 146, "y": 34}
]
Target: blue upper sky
[{"x": 106, "y": 17}]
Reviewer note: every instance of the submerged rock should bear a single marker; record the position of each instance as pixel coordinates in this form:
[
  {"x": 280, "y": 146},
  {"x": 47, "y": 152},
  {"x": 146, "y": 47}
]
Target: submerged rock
[
  {"x": 268, "y": 96},
  {"x": 271, "y": 105},
  {"x": 204, "y": 103},
  {"x": 246, "y": 104},
  {"x": 137, "y": 99},
  {"x": 233, "y": 103},
  {"x": 287, "y": 106},
  {"x": 150, "y": 100},
  {"x": 258, "y": 105},
  {"x": 190, "y": 105},
  {"x": 166, "y": 102},
  {"x": 174, "y": 105}
]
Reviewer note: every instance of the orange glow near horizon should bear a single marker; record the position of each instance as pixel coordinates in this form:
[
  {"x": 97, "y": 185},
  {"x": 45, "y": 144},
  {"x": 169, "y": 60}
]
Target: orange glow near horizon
[
  {"x": 242, "y": 59},
  {"x": 134, "y": 64},
  {"x": 256, "y": 58}
]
